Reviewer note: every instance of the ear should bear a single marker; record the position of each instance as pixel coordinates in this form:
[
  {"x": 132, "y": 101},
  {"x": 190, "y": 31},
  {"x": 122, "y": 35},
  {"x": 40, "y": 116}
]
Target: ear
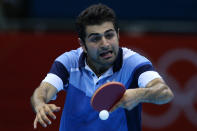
[
  {"x": 118, "y": 33},
  {"x": 82, "y": 44}
]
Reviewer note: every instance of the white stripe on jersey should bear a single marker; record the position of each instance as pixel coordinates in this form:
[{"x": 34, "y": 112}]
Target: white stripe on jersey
[{"x": 146, "y": 77}]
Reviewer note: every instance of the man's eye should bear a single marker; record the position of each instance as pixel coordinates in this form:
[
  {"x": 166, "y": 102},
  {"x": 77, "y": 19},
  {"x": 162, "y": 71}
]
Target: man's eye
[
  {"x": 95, "y": 39},
  {"x": 109, "y": 35}
]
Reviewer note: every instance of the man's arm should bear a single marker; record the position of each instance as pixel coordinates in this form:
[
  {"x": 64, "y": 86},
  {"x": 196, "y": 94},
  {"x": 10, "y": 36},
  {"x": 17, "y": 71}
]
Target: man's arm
[
  {"x": 41, "y": 96},
  {"x": 156, "y": 91}
]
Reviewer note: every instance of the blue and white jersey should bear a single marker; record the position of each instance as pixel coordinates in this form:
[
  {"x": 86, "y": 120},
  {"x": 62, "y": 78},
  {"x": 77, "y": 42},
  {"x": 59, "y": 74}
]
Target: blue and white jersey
[{"x": 70, "y": 72}]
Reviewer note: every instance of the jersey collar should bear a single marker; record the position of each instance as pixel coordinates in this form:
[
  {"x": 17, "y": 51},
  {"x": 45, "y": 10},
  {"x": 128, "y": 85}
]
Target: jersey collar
[{"x": 117, "y": 63}]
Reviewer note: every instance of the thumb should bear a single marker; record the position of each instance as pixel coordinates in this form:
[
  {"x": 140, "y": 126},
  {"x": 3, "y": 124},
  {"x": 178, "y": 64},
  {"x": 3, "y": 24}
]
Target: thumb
[
  {"x": 116, "y": 106},
  {"x": 54, "y": 108}
]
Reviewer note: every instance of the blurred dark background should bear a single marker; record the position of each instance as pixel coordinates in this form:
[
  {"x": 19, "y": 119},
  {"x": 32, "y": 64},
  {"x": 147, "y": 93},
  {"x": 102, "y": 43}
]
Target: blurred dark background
[{"x": 34, "y": 32}]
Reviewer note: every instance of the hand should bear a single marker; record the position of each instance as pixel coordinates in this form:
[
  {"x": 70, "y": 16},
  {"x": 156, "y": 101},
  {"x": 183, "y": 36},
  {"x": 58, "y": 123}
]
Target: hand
[
  {"x": 129, "y": 100},
  {"x": 42, "y": 111}
]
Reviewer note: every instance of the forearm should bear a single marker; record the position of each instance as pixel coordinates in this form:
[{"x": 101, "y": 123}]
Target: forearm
[
  {"x": 157, "y": 94},
  {"x": 43, "y": 94}
]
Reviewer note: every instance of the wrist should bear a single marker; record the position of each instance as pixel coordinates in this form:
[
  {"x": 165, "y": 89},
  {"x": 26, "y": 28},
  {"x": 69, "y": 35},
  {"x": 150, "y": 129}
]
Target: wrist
[
  {"x": 141, "y": 95},
  {"x": 36, "y": 103}
]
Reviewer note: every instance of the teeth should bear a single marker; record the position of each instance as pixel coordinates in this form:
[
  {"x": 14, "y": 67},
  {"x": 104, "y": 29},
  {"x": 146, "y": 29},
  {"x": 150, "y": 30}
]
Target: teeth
[{"x": 105, "y": 53}]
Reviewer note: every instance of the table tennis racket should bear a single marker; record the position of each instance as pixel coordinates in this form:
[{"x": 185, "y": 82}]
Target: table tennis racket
[{"x": 106, "y": 96}]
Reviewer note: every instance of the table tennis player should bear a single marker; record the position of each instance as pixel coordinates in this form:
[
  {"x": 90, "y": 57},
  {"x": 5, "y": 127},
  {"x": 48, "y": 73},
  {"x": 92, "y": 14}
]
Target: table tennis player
[{"x": 98, "y": 60}]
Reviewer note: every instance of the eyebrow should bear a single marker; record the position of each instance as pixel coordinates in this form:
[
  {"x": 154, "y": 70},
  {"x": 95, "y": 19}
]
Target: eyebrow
[{"x": 98, "y": 33}]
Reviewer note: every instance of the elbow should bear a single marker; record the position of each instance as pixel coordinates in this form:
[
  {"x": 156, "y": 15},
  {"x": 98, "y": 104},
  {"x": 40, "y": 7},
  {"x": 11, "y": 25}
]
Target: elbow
[
  {"x": 170, "y": 95},
  {"x": 167, "y": 96}
]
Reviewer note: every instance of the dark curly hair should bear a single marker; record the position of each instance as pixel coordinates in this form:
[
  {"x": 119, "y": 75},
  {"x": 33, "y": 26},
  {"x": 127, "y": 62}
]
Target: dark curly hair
[{"x": 94, "y": 15}]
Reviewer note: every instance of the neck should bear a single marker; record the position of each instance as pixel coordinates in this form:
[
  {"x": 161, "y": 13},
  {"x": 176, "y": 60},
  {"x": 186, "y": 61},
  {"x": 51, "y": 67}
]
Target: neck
[{"x": 98, "y": 69}]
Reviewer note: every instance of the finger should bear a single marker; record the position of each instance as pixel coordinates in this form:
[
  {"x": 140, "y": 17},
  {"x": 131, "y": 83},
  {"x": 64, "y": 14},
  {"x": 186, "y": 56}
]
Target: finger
[
  {"x": 133, "y": 105},
  {"x": 44, "y": 116},
  {"x": 115, "y": 107},
  {"x": 54, "y": 108},
  {"x": 50, "y": 113},
  {"x": 35, "y": 122},
  {"x": 120, "y": 103},
  {"x": 41, "y": 120}
]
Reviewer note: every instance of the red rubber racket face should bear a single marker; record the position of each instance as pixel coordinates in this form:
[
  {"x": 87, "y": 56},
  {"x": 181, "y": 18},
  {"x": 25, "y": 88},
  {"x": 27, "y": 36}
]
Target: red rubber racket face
[{"x": 107, "y": 96}]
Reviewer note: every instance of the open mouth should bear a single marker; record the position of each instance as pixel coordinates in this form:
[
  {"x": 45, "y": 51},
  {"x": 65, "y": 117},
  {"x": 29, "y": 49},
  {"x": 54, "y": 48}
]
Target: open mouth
[{"x": 107, "y": 54}]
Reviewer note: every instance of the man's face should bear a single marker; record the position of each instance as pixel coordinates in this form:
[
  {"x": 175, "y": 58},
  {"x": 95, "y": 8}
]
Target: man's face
[{"x": 102, "y": 44}]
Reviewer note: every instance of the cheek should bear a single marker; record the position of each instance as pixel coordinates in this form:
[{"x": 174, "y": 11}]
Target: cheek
[
  {"x": 115, "y": 43},
  {"x": 92, "y": 50},
  {"x": 115, "y": 47},
  {"x": 115, "y": 40}
]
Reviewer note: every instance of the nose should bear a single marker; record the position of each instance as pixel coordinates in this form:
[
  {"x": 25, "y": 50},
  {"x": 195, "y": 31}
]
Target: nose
[{"x": 104, "y": 43}]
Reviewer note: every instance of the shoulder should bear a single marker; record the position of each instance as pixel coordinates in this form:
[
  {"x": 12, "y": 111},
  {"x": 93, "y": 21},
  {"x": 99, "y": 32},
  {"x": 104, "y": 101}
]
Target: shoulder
[
  {"x": 132, "y": 57},
  {"x": 127, "y": 52},
  {"x": 70, "y": 59},
  {"x": 70, "y": 54}
]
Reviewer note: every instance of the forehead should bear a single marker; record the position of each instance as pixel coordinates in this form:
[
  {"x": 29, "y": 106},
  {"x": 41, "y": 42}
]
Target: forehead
[{"x": 99, "y": 28}]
